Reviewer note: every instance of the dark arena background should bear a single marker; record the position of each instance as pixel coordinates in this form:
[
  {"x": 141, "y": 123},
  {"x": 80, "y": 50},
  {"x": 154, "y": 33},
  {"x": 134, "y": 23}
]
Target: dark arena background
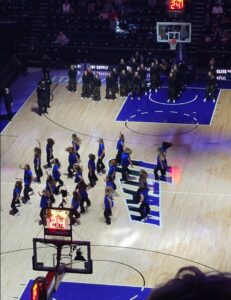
[{"x": 115, "y": 145}]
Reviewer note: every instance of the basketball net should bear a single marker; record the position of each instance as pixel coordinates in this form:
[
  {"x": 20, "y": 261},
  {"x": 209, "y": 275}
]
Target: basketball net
[{"x": 172, "y": 43}]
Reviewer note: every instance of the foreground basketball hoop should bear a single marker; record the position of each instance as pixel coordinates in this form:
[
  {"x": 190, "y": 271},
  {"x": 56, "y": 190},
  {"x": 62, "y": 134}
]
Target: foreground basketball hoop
[{"x": 172, "y": 43}]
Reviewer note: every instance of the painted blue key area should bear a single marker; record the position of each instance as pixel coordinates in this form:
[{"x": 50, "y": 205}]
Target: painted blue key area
[
  {"x": 85, "y": 291},
  {"x": 188, "y": 109}
]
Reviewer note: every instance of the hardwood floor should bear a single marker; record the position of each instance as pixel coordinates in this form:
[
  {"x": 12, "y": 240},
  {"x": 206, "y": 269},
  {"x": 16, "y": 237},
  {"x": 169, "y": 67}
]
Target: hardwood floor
[{"x": 196, "y": 208}]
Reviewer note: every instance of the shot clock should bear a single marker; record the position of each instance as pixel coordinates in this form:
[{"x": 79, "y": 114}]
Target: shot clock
[
  {"x": 57, "y": 222},
  {"x": 176, "y": 6}
]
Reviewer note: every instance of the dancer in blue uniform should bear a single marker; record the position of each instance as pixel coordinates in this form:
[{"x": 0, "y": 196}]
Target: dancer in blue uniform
[
  {"x": 49, "y": 151},
  {"x": 100, "y": 167},
  {"x": 56, "y": 172},
  {"x": 72, "y": 160},
  {"x": 144, "y": 201},
  {"x": 37, "y": 163},
  {"x": 28, "y": 177},
  {"x": 44, "y": 203},
  {"x": 16, "y": 198},
  {"x": 120, "y": 148},
  {"x": 76, "y": 141},
  {"x": 91, "y": 170},
  {"x": 108, "y": 204},
  {"x": 125, "y": 162}
]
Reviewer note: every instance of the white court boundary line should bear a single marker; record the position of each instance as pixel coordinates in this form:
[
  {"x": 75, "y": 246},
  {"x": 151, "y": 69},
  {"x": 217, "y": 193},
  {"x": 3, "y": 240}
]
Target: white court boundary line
[{"x": 218, "y": 97}]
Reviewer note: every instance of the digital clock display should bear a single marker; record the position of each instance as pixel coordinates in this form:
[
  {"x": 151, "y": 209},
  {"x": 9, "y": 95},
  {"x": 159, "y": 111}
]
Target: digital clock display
[
  {"x": 175, "y": 5},
  {"x": 57, "y": 222}
]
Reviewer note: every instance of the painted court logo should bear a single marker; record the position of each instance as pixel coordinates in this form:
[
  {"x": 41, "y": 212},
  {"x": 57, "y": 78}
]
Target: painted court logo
[{"x": 131, "y": 186}]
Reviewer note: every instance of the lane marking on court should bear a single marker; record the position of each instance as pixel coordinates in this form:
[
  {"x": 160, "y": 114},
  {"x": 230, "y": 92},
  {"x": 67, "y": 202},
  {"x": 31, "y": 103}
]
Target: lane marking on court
[{"x": 134, "y": 297}]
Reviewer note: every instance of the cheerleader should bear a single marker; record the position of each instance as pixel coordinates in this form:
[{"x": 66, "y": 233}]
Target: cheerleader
[
  {"x": 96, "y": 88},
  {"x": 161, "y": 164},
  {"x": 72, "y": 160},
  {"x": 49, "y": 151},
  {"x": 112, "y": 173},
  {"x": 108, "y": 204},
  {"x": 91, "y": 170},
  {"x": 44, "y": 203},
  {"x": 37, "y": 163},
  {"x": 28, "y": 178},
  {"x": 125, "y": 162},
  {"x": 86, "y": 87},
  {"x": 144, "y": 208},
  {"x": 56, "y": 172},
  {"x": 120, "y": 148},
  {"x": 16, "y": 198},
  {"x": 82, "y": 188},
  {"x": 52, "y": 188},
  {"x": 100, "y": 167},
  {"x": 78, "y": 173},
  {"x": 75, "y": 204},
  {"x": 76, "y": 141}
]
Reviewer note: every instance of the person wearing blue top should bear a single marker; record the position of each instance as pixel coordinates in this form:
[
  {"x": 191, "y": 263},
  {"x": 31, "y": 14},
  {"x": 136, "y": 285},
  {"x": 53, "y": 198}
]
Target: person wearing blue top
[
  {"x": 144, "y": 208},
  {"x": 78, "y": 173},
  {"x": 16, "y": 198},
  {"x": 101, "y": 154},
  {"x": 120, "y": 148},
  {"x": 72, "y": 160},
  {"x": 81, "y": 188},
  {"x": 161, "y": 164},
  {"x": 75, "y": 203},
  {"x": 52, "y": 188},
  {"x": 108, "y": 204},
  {"x": 44, "y": 203},
  {"x": 56, "y": 173},
  {"x": 76, "y": 141},
  {"x": 37, "y": 164},
  {"x": 125, "y": 162},
  {"x": 112, "y": 172},
  {"x": 28, "y": 177},
  {"x": 49, "y": 151},
  {"x": 91, "y": 170}
]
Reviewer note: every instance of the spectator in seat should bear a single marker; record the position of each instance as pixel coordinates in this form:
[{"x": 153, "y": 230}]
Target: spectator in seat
[
  {"x": 66, "y": 8},
  {"x": 217, "y": 9},
  {"x": 61, "y": 39}
]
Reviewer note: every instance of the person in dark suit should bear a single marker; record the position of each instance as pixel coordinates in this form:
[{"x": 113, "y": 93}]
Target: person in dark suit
[{"x": 8, "y": 99}]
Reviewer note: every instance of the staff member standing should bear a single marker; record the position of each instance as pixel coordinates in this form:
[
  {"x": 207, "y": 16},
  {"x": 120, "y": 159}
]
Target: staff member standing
[
  {"x": 110, "y": 87},
  {"x": 86, "y": 87},
  {"x": 42, "y": 97},
  {"x": 8, "y": 100},
  {"x": 123, "y": 83},
  {"x": 72, "y": 78},
  {"x": 48, "y": 83}
]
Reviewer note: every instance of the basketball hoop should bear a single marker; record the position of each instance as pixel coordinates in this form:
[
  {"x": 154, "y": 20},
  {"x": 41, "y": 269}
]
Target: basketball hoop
[{"x": 172, "y": 43}]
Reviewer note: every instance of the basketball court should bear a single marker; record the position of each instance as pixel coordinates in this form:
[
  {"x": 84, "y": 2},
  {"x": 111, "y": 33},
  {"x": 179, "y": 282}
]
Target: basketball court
[{"x": 190, "y": 220}]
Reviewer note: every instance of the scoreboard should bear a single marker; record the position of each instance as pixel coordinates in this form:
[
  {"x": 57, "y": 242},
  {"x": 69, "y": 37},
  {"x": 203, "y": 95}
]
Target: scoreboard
[
  {"x": 176, "y": 6},
  {"x": 223, "y": 74}
]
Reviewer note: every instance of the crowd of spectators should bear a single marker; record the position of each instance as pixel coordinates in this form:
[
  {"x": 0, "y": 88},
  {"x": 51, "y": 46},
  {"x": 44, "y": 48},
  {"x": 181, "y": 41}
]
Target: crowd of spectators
[{"x": 217, "y": 26}]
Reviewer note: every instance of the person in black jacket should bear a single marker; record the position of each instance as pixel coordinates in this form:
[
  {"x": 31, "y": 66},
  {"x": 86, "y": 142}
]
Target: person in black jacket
[
  {"x": 48, "y": 83},
  {"x": 72, "y": 78},
  {"x": 86, "y": 88},
  {"x": 123, "y": 84},
  {"x": 121, "y": 66},
  {"x": 154, "y": 76},
  {"x": 115, "y": 76},
  {"x": 136, "y": 86},
  {"x": 8, "y": 100},
  {"x": 171, "y": 88},
  {"x": 42, "y": 97},
  {"x": 210, "y": 89},
  {"x": 96, "y": 88},
  {"x": 91, "y": 77},
  {"x": 143, "y": 74},
  {"x": 110, "y": 87},
  {"x": 129, "y": 79}
]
